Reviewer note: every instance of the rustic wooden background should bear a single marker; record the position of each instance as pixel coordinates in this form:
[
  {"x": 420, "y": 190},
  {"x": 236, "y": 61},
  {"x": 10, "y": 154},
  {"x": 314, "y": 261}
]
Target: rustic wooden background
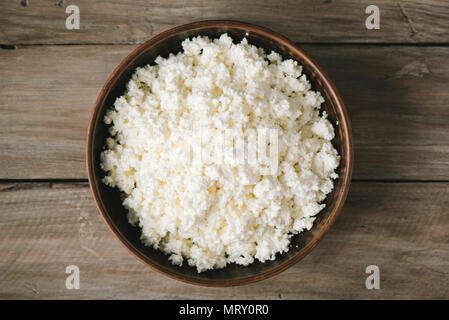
[{"x": 395, "y": 82}]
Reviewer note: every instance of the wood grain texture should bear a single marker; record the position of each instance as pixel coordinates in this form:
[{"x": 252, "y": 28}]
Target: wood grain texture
[
  {"x": 121, "y": 21},
  {"x": 396, "y": 96},
  {"x": 401, "y": 227}
]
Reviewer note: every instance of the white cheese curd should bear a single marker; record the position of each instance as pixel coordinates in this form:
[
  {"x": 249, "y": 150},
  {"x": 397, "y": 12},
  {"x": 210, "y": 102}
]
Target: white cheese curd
[{"x": 209, "y": 213}]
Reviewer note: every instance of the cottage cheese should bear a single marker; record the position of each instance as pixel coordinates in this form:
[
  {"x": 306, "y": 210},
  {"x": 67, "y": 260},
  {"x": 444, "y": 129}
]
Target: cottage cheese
[{"x": 209, "y": 213}]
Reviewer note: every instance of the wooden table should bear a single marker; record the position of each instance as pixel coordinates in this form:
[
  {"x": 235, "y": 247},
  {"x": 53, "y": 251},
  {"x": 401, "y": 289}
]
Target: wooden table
[{"x": 395, "y": 82}]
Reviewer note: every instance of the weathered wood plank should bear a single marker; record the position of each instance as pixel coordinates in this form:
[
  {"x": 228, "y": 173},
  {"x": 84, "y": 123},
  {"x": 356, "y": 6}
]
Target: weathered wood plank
[
  {"x": 120, "y": 21},
  {"x": 401, "y": 227},
  {"x": 397, "y": 99}
]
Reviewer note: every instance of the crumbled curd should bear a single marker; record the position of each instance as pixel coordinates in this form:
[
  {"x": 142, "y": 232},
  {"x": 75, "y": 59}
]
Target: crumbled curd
[{"x": 206, "y": 212}]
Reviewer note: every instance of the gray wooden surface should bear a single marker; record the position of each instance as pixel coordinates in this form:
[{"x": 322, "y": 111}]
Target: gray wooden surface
[
  {"x": 309, "y": 21},
  {"x": 395, "y": 82},
  {"x": 401, "y": 227}
]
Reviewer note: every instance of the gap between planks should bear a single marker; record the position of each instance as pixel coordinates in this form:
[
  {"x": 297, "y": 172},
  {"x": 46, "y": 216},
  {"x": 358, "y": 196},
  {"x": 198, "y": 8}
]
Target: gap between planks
[
  {"x": 50, "y": 182},
  {"x": 12, "y": 46}
]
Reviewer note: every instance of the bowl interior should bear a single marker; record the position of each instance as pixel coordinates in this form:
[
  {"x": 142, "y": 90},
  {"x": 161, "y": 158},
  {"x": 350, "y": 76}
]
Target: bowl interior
[{"x": 108, "y": 199}]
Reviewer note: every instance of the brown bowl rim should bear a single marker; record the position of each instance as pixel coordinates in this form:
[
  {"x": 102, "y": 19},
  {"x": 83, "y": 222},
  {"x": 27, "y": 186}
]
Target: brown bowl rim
[{"x": 344, "y": 123}]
